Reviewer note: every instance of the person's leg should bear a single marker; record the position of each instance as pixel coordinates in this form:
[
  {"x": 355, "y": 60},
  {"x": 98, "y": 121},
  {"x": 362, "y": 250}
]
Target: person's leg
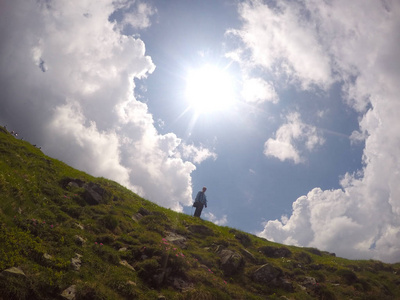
[{"x": 197, "y": 213}]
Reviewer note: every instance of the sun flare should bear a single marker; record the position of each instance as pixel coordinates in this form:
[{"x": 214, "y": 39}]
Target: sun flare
[{"x": 209, "y": 88}]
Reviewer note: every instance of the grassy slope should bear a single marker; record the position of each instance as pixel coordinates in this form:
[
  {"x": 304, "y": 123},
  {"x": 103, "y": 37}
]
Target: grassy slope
[{"x": 40, "y": 216}]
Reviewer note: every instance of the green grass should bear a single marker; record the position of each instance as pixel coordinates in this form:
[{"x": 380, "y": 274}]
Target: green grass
[{"x": 44, "y": 223}]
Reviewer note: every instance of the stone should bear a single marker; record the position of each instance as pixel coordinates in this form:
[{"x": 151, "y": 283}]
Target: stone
[
  {"x": 69, "y": 293},
  {"x": 80, "y": 241},
  {"x": 200, "y": 229},
  {"x": 13, "y": 271},
  {"x": 47, "y": 256},
  {"x": 243, "y": 238},
  {"x": 182, "y": 285},
  {"x": 76, "y": 262},
  {"x": 248, "y": 255},
  {"x": 266, "y": 274},
  {"x": 231, "y": 262},
  {"x": 126, "y": 264},
  {"x": 176, "y": 239},
  {"x": 94, "y": 194}
]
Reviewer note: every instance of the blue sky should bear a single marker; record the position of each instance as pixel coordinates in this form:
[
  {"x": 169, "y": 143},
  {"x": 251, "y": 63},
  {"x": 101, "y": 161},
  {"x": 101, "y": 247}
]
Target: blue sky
[{"x": 303, "y": 149}]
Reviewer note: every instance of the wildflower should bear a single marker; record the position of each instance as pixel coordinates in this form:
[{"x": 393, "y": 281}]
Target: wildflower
[
  {"x": 164, "y": 239},
  {"x": 225, "y": 282},
  {"x": 101, "y": 244},
  {"x": 177, "y": 255},
  {"x": 95, "y": 243},
  {"x": 44, "y": 222},
  {"x": 51, "y": 225}
]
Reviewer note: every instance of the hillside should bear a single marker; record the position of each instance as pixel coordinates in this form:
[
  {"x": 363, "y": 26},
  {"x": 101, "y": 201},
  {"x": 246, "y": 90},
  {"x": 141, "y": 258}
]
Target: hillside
[{"x": 67, "y": 235}]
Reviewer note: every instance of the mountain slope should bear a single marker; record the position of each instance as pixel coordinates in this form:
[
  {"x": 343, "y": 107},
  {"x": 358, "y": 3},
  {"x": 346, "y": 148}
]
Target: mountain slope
[{"x": 67, "y": 235}]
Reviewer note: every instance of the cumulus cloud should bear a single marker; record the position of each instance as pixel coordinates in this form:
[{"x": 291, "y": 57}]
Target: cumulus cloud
[
  {"x": 67, "y": 78},
  {"x": 294, "y": 130},
  {"x": 212, "y": 218},
  {"x": 317, "y": 43}
]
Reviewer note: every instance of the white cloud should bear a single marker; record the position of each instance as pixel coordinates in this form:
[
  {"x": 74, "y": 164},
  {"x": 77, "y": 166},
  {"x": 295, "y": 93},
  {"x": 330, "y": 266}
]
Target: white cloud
[
  {"x": 67, "y": 78},
  {"x": 282, "y": 40},
  {"x": 257, "y": 90},
  {"x": 288, "y": 135},
  {"x": 358, "y": 42},
  {"x": 196, "y": 154},
  {"x": 212, "y": 218}
]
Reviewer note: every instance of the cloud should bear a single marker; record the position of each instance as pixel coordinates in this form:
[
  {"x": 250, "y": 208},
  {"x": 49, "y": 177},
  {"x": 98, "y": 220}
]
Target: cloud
[
  {"x": 257, "y": 90},
  {"x": 67, "y": 78},
  {"x": 283, "y": 146},
  {"x": 316, "y": 43},
  {"x": 212, "y": 218},
  {"x": 196, "y": 154}
]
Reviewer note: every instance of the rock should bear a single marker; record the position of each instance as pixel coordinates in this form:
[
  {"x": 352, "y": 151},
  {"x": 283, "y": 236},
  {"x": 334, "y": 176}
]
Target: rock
[
  {"x": 144, "y": 212},
  {"x": 309, "y": 282},
  {"x": 123, "y": 249},
  {"x": 14, "y": 271},
  {"x": 76, "y": 262},
  {"x": 248, "y": 255},
  {"x": 47, "y": 256},
  {"x": 275, "y": 252},
  {"x": 266, "y": 274},
  {"x": 80, "y": 241},
  {"x": 80, "y": 226},
  {"x": 200, "y": 229},
  {"x": 243, "y": 239},
  {"x": 94, "y": 194},
  {"x": 69, "y": 293},
  {"x": 137, "y": 217},
  {"x": 176, "y": 239},
  {"x": 231, "y": 262},
  {"x": 126, "y": 264},
  {"x": 182, "y": 285},
  {"x": 284, "y": 284},
  {"x": 303, "y": 257}
]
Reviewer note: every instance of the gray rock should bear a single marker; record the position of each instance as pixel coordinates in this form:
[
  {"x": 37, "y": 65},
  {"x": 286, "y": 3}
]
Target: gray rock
[
  {"x": 266, "y": 274},
  {"x": 94, "y": 194},
  {"x": 248, "y": 255},
  {"x": 231, "y": 262},
  {"x": 76, "y": 262},
  {"x": 80, "y": 241},
  {"x": 200, "y": 229},
  {"x": 126, "y": 264},
  {"x": 69, "y": 293},
  {"x": 14, "y": 271},
  {"x": 176, "y": 239}
]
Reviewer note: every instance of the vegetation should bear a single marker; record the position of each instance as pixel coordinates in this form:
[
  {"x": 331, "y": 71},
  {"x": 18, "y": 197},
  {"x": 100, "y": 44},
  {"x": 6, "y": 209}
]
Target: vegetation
[{"x": 67, "y": 235}]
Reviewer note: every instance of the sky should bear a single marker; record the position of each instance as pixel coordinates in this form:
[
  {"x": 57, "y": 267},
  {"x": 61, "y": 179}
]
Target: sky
[{"x": 287, "y": 111}]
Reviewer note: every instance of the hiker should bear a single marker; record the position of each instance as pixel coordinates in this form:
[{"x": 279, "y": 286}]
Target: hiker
[{"x": 200, "y": 202}]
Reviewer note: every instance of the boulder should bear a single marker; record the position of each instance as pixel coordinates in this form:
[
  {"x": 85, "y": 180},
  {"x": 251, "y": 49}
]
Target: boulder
[
  {"x": 14, "y": 271},
  {"x": 248, "y": 255},
  {"x": 275, "y": 252},
  {"x": 94, "y": 194},
  {"x": 200, "y": 229},
  {"x": 176, "y": 239},
  {"x": 243, "y": 238},
  {"x": 69, "y": 293},
  {"x": 231, "y": 262},
  {"x": 76, "y": 262},
  {"x": 266, "y": 274}
]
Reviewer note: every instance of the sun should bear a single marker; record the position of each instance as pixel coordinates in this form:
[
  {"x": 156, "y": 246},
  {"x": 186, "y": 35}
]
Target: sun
[{"x": 209, "y": 89}]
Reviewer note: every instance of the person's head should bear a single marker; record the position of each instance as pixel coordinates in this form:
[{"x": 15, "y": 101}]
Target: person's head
[{"x": 204, "y": 189}]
